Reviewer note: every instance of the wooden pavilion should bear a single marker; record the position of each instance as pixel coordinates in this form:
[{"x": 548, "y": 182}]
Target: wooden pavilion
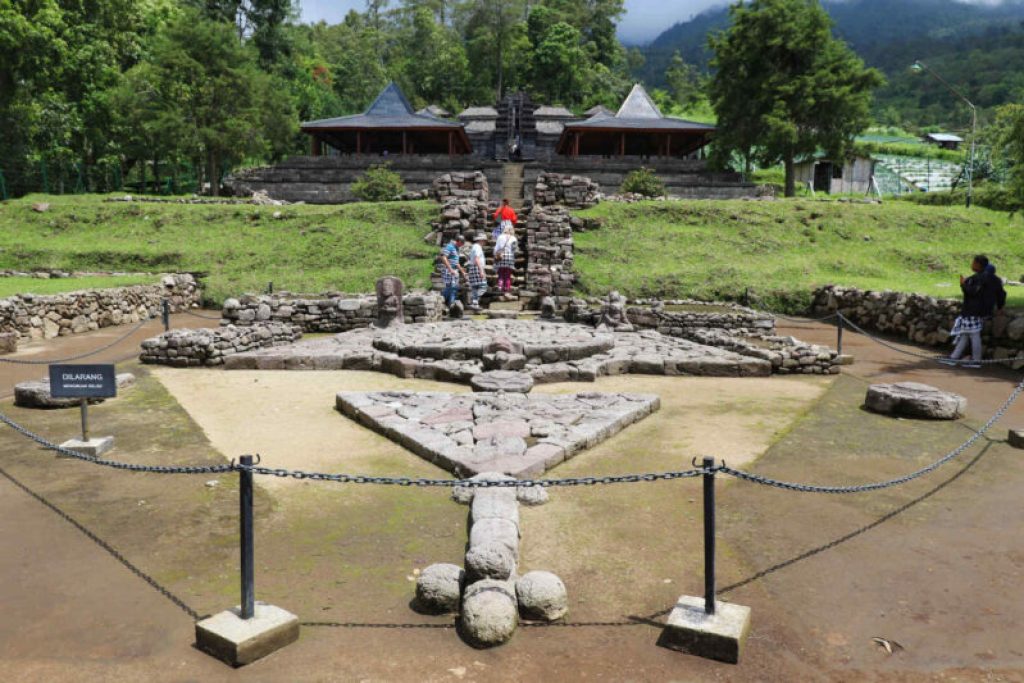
[
  {"x": 388, "y": 126},
  {"x": 637, "y": 129}
]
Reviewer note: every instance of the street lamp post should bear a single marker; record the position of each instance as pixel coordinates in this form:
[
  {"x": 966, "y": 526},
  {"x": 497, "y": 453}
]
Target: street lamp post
[{"x": 919, "y": 67}]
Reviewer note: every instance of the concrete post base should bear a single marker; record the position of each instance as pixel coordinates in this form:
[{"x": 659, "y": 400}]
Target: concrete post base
[
  {"x": 94, "y": 447},
  {"x": 1016, "y": 438},
  {"x": 717, "y": 636},
  {"x": 238, "y": 641}
]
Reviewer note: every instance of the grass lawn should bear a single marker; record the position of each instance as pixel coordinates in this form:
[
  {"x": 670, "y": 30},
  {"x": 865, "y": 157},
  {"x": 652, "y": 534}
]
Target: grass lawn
[
  {"x": 9, "y": 286},
  {"x": 241, "y": 247},
  {"x": 781, "y": 250}
]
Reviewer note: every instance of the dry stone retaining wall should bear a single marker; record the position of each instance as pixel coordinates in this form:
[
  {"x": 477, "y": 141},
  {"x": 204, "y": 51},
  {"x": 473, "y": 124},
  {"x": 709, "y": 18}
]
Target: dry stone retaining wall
[
  {"x": 919, "y": 318},
  {"x": 327, "y": 313},
  {"x": 574, "y": 191},
  {"x": 57, "y": 315},
  {"x": 460, "y": 185},
  {"x": 549, "y": 246},
  {"x": 209, "y": 346}
]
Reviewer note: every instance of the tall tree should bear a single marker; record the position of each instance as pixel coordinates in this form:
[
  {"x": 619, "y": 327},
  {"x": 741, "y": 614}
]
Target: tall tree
[
  {"x": 683, "y": 81},
  {"x": 784, "y": 87}
]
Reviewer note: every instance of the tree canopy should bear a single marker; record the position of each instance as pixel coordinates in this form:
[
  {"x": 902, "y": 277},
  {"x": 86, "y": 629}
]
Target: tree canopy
[{"x": 784, "y": 87}]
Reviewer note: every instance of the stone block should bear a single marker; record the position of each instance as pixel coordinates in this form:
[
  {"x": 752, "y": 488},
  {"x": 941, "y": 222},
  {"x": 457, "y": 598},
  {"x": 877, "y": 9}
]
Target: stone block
[
  {"x": 94, "y": 447},
  {"x": 1016, "y": 438},
  {"x": 718, "y": 636},
  {"x": 238, "y": 641}
]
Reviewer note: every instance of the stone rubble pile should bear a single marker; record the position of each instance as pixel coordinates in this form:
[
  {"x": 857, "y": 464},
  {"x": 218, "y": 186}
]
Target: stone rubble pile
[
  {"x": 413, "y": 195},
  {"x": 327, "y": 313},
  {"x": 920, "y": 318},
  {"x": 460, "y": 217},
  {"x": 574, "y": 191},
  {"x": 549, "y": 245},
  {"x": 460, "y": 185},
  {"x": 44, "y": 317},
  {"x": 788, "y": 355},
  {"x": 210, "y": 346}
]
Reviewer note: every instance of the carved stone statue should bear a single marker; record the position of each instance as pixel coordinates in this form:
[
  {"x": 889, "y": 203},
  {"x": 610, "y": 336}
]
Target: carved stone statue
[
  {"x": 389, "y": 302},
  {"x": 613, "y": 314},
  {"x": 547, "y": 308}
]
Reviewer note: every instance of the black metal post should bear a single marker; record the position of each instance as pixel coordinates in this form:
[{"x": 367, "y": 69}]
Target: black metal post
[
  {"x": 270, "y": 287},
  {"x": 709, "y": 536},
  {"x": 165, "y": 314},
  {"x": 245, "y": 514},
  {"x": 839, "y": 333},
  {"x": 85, "y": 418}
]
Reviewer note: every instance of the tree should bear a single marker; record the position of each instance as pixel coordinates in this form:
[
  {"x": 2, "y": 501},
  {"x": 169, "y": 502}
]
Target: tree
[
  {"x": 683, "y": 81},
  {"x": 1008, "y": 145},
  {"x": 784, "y": 87}
]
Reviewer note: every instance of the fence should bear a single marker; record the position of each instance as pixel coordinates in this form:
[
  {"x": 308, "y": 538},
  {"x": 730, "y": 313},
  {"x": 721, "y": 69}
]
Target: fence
[{"x": 248, "y": 465}]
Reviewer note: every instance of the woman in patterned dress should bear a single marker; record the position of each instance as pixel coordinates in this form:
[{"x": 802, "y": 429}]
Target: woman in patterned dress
[
  {"x": 505, "y": 256},
  {"x": 477, "y": 271}
]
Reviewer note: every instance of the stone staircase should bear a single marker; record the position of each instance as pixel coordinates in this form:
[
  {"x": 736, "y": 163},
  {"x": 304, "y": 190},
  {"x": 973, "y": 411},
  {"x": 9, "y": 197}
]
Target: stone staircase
[{"x": 492, "y": 299}]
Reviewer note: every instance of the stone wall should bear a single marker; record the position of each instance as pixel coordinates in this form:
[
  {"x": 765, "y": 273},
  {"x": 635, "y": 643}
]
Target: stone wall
[
  {"x": 338, "y": 313},
  {"x": 460, "y": 185},
  {"x": 788, "y": 355},
  {"x": 328, "y": 179},
  {"x": 574, "y": 191},
  {"x": 699, "y": 315},
  {"x": 918, "y": 318},
  {"x": 204, "y": 347},
  {"x": 549, "y": 247},
  {"x": 44, "y": 317}
]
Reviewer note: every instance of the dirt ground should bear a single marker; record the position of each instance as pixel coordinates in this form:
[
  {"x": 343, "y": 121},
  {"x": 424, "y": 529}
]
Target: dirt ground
[{"x": 935, "y": 565}]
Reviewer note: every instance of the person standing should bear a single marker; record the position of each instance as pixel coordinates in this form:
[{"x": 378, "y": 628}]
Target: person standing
[
  {"x": 983, "y": 293},
  {"x": 505, "y": 258},
  {"x": 505, "y": 216},
  {"x": 448, "y": 262},
  {"x": 477, "y": 271}
]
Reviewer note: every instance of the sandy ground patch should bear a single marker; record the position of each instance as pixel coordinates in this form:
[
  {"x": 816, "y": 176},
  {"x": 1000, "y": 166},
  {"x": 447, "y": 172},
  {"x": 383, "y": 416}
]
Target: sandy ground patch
[{"x": 290, "y": 420}]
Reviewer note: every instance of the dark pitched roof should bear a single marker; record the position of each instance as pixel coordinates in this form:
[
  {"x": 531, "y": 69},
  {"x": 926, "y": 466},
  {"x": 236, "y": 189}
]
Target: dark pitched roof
[
  {"x": 389, "y": 110},
  {"x": 638, "y": 112}
]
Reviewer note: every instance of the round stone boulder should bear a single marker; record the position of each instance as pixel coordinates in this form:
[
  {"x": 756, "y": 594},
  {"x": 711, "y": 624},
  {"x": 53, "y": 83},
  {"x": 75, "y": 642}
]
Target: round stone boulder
[
  {"x": 912, "y": 399},
  {"x": 542, "y": 596},
  {"x": 502, "y": 380},
  {"x": 491, "y": 560},
  {"x": 489, "y": 615},
  {"x": 501, "y": 531},
  {"x": 438, "y": 588}
]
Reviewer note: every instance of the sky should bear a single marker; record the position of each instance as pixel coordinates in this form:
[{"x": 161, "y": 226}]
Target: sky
[{"x": 643, "y": 21}]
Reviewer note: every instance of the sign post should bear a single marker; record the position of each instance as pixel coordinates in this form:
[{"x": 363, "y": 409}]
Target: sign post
[{"x": 84, "y": 382}]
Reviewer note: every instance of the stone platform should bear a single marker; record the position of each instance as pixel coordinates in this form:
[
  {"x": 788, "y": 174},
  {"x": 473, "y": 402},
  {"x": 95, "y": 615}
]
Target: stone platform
[
  {"x": 547, "y": 351},
  {"x": 515, "y": 434}
]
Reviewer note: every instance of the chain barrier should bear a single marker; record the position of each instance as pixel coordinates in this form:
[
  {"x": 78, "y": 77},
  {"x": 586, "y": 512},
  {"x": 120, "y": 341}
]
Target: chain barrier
[
  {"x": 133, "y": 330},
  {"x": 925, "y": 356},
  {"x": 200, "y": 315},
  {"x": 860, "y": 488},
  {"x": 116, "y": 464}
]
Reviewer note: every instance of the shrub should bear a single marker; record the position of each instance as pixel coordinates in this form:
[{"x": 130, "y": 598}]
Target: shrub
[
  {"x": 642, "y": 181},
  {"x": 990, "y": 196},
  {"x": 378, "y": 184}
]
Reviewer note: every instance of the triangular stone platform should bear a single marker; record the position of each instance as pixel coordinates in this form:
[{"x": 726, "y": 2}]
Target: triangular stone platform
[{"x": 517, "y": 434}]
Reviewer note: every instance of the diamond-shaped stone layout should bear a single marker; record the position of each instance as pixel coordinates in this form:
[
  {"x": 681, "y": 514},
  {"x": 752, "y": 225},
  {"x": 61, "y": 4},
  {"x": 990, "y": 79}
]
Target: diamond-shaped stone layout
[{"x": 517, "y": 434}]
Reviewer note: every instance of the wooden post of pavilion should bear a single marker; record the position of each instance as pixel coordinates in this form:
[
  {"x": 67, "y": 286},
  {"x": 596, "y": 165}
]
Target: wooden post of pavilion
[
  {"x": 451, "y": 143},
  {"x": 622, "y": 144},
  {"x": 314, "y": 145},
  {"x": 359, "y": 142},
  {"x": 404, "y": 146}
]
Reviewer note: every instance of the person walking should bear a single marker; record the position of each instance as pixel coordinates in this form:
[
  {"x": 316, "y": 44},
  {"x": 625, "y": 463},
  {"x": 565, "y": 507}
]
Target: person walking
[
  {"x": 505, "y": 216},
  {"x": 505, "y": 258},
  {"x": 983, "y": 294},
  {"x": 477, "y": 271},
  {"x": 448, "y": 262}
]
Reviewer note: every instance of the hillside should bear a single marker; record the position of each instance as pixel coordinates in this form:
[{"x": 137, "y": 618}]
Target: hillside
[
  {"x": 781, "y": 250},
  {"x": 980, "y": 46},
  {"x": 240, "y": 247}
]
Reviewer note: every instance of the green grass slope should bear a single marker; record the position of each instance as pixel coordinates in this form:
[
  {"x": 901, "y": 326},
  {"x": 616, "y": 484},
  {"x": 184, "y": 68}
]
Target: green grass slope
[
  {"x": 241, "y": 247},
  {"x": 10, "y": 286},
  {"x": 781, "y": 250}
]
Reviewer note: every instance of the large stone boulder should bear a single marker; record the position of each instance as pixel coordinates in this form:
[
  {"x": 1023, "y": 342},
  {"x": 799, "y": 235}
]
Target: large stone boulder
[
  {"x": 438, "y": 589},
  {"x": 491, "y": 560},
  {"x": 37, "y": 394},
  {"x": 542, "y": 596},
  {"x": 489, "y": 613},
  {"x": 911, "y": 399}
]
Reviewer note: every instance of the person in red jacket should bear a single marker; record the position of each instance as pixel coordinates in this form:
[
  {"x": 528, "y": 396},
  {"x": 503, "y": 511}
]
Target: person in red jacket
[{"x": 505, "y": 216}]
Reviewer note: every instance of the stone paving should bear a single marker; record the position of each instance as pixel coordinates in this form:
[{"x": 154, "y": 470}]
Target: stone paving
[
  {"x": 515, "y": 434},
  {"x": 547, "y": 351}
]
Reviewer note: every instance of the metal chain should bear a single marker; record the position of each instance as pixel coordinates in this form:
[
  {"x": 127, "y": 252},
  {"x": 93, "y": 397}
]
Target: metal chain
[
  {"x": 925, "y": 356},
  {"x": 471, "y": 483},
  {"x": 133, "y": 467},
  {"x": 135, "y": 328},
  {"x": 199, "y": 315},
  {"x": 810, "y": 488}
]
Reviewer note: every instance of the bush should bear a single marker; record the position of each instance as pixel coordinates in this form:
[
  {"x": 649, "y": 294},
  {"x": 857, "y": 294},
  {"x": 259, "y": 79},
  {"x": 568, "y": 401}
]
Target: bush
[
  {"x": 643, "y": 182},
  {"x": 378, "y": 184},
  {"x": 989, "y": 196}
]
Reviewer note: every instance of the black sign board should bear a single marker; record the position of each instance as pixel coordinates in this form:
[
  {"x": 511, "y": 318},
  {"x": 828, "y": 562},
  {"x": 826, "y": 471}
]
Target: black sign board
[{"x": 82, "y": 381}]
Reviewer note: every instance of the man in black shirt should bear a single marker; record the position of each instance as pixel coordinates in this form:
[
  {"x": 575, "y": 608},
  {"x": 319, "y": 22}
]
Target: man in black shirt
[{"x": 983, "y": 293}]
